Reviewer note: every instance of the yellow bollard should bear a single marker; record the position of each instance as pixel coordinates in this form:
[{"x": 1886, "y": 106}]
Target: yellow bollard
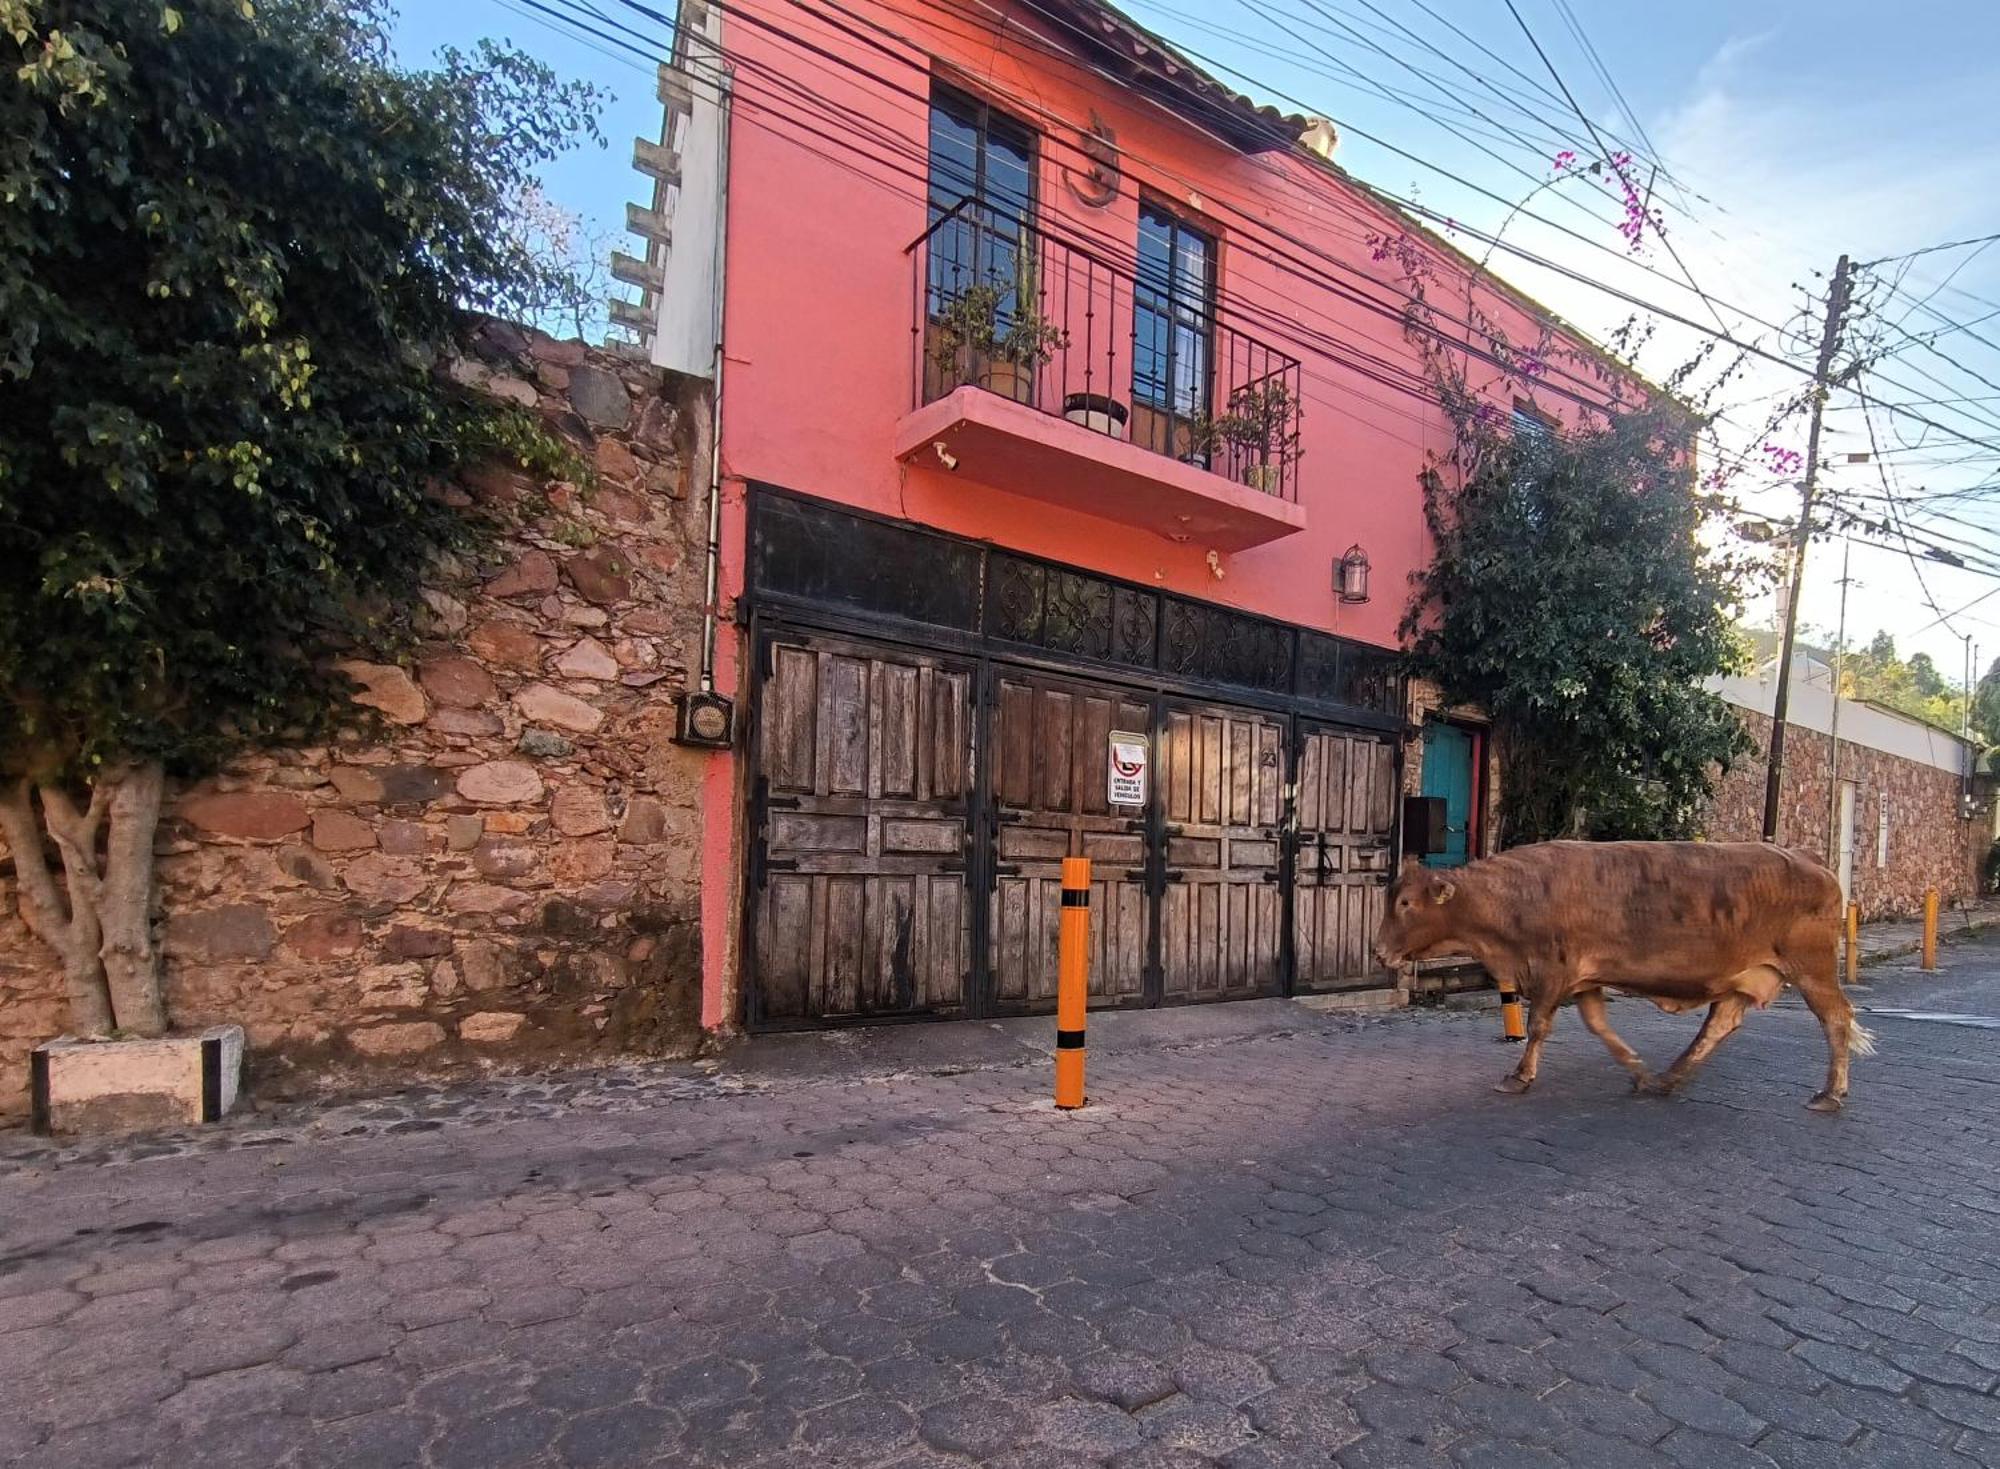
[
  {"x": 1513, "y": 1027},
  {"x": 1930, "y": 928},
  {"x": 1072, "y": 981},
  {"x": 1853, "y": 942}
]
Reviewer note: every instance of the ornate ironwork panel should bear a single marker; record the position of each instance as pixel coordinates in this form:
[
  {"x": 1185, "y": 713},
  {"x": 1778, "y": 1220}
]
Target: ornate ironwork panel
[
  {"x": 1135, "y": 627},
  {"x": 811, "y": 551},
  {"x": 1203, "y": 642},
  {"x": 1014, "y": 590},
  {"x": 1370, "y": 678}
]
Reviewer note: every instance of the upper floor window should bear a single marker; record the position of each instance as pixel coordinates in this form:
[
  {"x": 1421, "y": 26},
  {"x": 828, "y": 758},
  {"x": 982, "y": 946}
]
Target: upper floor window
[
  {"x": 982, "y": 174},
  {"x": 1173, "y": 309},
  {"x": 1531, "y": 425}
]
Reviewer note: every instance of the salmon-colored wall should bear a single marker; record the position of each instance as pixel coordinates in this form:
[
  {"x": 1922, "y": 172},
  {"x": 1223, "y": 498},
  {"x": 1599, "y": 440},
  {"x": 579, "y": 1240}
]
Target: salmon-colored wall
[
  {"x": 826, "y": 178},
  {"x": 821, "y": 300}
]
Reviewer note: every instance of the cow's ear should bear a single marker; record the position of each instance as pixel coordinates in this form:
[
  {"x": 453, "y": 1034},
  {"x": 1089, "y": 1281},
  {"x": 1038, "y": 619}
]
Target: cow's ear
[
  {"x": 1443, "y": 892},
  {"x": 1410, "y": 862}
]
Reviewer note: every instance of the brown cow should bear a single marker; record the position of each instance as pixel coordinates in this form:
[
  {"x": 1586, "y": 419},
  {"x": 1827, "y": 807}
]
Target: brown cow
[{"x": 1683, "y": 924}]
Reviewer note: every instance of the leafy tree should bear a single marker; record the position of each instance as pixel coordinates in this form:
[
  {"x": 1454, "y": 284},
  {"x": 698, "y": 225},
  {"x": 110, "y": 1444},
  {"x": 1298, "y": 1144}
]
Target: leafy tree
[
  {"x": 1986, "y": 704},
  {"x": 1572, "y": 597},
  {"x": 1913, "y": 686},
  {"x": 1924, "y": 677},
  {"x": 232, "y": 243}
]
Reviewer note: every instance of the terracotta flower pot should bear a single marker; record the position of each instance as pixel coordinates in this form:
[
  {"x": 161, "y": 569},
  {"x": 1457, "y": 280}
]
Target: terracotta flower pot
[{"x": 1009, "y": 379}]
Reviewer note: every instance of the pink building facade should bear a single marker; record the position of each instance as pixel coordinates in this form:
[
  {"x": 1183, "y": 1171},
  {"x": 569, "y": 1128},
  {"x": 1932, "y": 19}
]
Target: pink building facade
[{"x": 1071, "y": 419}]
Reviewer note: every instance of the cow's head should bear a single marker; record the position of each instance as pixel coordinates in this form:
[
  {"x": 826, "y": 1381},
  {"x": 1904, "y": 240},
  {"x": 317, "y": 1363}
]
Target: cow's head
[{"x": 1420, "y": 916}]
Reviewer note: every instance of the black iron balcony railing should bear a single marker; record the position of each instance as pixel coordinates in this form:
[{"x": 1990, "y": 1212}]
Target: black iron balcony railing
[{"x": 1004, "y": 305}]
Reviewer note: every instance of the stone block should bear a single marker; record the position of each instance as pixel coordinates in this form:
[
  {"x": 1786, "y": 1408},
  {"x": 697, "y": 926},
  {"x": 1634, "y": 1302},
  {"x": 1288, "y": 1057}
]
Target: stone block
[
  {"x": 579, "y": 811},
  {"x": 398, "y": 1038},
  {"x": 457, "y": 682},
  {"x": 506, "y": 643},
  {"x": 603, "y": 575},
  {"x": 615, "y": 461},
  {"x": 645, "y": 822},
  {"x": 122, "y": 1086},
  {"x": 254, "y": 816},
  {"x": 387, "y": 688},
  {"x": 360, "y": 784},
  {"x": 587, "y": 658},
  {"x": 503, "y": 859},
  {"x": 462, "y": 833},
  {"x": 533, "y": 574},
  {"x": 545, "y": 705},
  {"x": 235, "y": 931},
  {"x": 384, "y": 879},
  {"x": 405, "y": 942},
  {"x": 599, "y": 396},
  {"x": 544, "y": 744},
  {"x": 477, "y": 724},
  {"x": 335, "y": 830},
  {"x": 489, "y": 1027},
  {"x": 325, "y": 935},
  {"x": 501, "y": 783},
  {"x": 404, "y": 838}
]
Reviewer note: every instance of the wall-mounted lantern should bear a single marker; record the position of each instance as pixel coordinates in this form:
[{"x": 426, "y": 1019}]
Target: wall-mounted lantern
[{"x": 1350, "y": 575}]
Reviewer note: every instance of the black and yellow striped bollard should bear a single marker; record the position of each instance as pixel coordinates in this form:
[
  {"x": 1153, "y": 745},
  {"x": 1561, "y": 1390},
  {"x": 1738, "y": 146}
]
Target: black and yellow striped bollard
[
  {"x": 1513, "y": 1026},
  {"x": 1072, "y": 981}
]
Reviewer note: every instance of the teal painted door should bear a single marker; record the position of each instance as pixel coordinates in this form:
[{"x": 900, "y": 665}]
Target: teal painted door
[{"x": 1448, "y": 773}]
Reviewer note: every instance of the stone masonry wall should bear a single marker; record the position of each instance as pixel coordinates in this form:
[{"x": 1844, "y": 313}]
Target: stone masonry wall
[
  {"x": 512, "y": 870},
  {"x": 1929, "y": 845}
]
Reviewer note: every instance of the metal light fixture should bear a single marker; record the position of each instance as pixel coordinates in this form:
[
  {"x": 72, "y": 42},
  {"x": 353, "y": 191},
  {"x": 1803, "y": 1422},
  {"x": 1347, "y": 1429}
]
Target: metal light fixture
[{"x": 1350, "y": 575}]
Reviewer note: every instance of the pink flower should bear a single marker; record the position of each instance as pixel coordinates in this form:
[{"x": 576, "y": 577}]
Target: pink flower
[{"x": 1565, "y": 159}]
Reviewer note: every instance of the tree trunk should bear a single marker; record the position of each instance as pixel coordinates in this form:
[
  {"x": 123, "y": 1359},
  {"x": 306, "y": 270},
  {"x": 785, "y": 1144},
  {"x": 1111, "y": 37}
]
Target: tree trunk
[
  {"x": 125, "y": 902},
  {"x": 71, "y": 930}
]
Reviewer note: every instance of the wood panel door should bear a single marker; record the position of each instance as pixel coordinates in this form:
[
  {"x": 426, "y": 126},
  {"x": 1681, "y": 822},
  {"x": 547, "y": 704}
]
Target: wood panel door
[
  {"x": 1221, "y": 778},
  {"x": 1048, "y": 763},
  {"x": 860, "y": 817},
  {"x": 1345, "y": 810}
]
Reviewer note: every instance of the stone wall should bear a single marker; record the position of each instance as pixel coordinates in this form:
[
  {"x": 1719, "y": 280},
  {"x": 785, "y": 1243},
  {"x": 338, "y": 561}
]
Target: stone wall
[
  {"x": 1929, "y": 842},
  {"x": 511, "y": 871}
]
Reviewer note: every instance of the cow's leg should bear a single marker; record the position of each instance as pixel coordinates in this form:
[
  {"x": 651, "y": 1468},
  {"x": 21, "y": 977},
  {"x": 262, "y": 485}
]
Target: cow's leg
[
  {"x": 1723, "y": 1017},
  {"x": 1590, "y": 1005},
  {"x": 1814, "y": 976},
  {"x": 1542, "y": 1000}
]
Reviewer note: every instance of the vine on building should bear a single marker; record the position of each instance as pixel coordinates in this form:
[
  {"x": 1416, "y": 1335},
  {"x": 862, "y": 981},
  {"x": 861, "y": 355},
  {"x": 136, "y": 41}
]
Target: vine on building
[{"x": 1572, "y": 593}]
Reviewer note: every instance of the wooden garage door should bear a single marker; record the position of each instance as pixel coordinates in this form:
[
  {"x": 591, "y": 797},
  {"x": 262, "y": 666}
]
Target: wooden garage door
[
  {"x": 1346, "y": 804},
  {"x": 1221, "y": 775},
  {"x": 865, "y": 766},
  {"x": 1050, "y": 744}
]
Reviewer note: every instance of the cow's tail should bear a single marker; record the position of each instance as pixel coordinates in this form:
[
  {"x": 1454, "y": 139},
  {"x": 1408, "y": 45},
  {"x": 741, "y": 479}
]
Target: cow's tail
[{"x": 1860, "y": 1039}]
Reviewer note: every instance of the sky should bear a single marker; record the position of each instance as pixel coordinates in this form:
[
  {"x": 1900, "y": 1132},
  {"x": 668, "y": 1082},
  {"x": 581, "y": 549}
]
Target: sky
[{"x": 1785, "y": 132}]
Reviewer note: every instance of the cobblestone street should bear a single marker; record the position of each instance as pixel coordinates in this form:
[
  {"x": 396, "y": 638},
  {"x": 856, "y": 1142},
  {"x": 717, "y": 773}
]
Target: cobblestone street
[{"x": 1275, "y": 1237}]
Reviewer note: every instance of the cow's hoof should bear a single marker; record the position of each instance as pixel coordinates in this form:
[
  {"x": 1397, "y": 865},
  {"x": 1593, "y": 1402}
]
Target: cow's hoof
[
  {"x": 1644, "y": 1083},
  {"x": 1826, "y": 1102},
  {"x": 1513, "y": 1086}
]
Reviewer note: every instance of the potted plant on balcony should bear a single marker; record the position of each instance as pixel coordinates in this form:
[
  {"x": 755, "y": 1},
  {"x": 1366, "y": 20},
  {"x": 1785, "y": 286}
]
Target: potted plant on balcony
[
  {"x": 1262, "y": 422},
  {"x": 970, "y": 342}
]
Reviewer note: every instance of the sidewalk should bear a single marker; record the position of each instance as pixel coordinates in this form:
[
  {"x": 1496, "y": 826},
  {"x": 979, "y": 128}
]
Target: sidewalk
[{"x": 1895, "y": 938}]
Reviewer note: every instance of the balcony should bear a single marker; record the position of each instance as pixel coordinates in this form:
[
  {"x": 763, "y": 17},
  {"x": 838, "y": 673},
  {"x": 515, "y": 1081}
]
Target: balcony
[{"x": 1041, "y": 368}]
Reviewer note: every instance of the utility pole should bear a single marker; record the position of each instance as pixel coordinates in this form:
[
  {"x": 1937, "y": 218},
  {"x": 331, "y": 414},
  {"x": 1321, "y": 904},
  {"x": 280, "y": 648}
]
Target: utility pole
[
  {"x": 1833, "y": 732},
  {"x": 1774, "y": 774}
]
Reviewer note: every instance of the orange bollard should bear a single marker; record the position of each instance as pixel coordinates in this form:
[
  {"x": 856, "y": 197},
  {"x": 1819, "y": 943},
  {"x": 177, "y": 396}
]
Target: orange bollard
[
  {"x": 1513, "y": 1026},
  {"x": 1930, "y": 928},
  {"x": 1072, "y": 981},
  {"x": 1853, "y": 942}
]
